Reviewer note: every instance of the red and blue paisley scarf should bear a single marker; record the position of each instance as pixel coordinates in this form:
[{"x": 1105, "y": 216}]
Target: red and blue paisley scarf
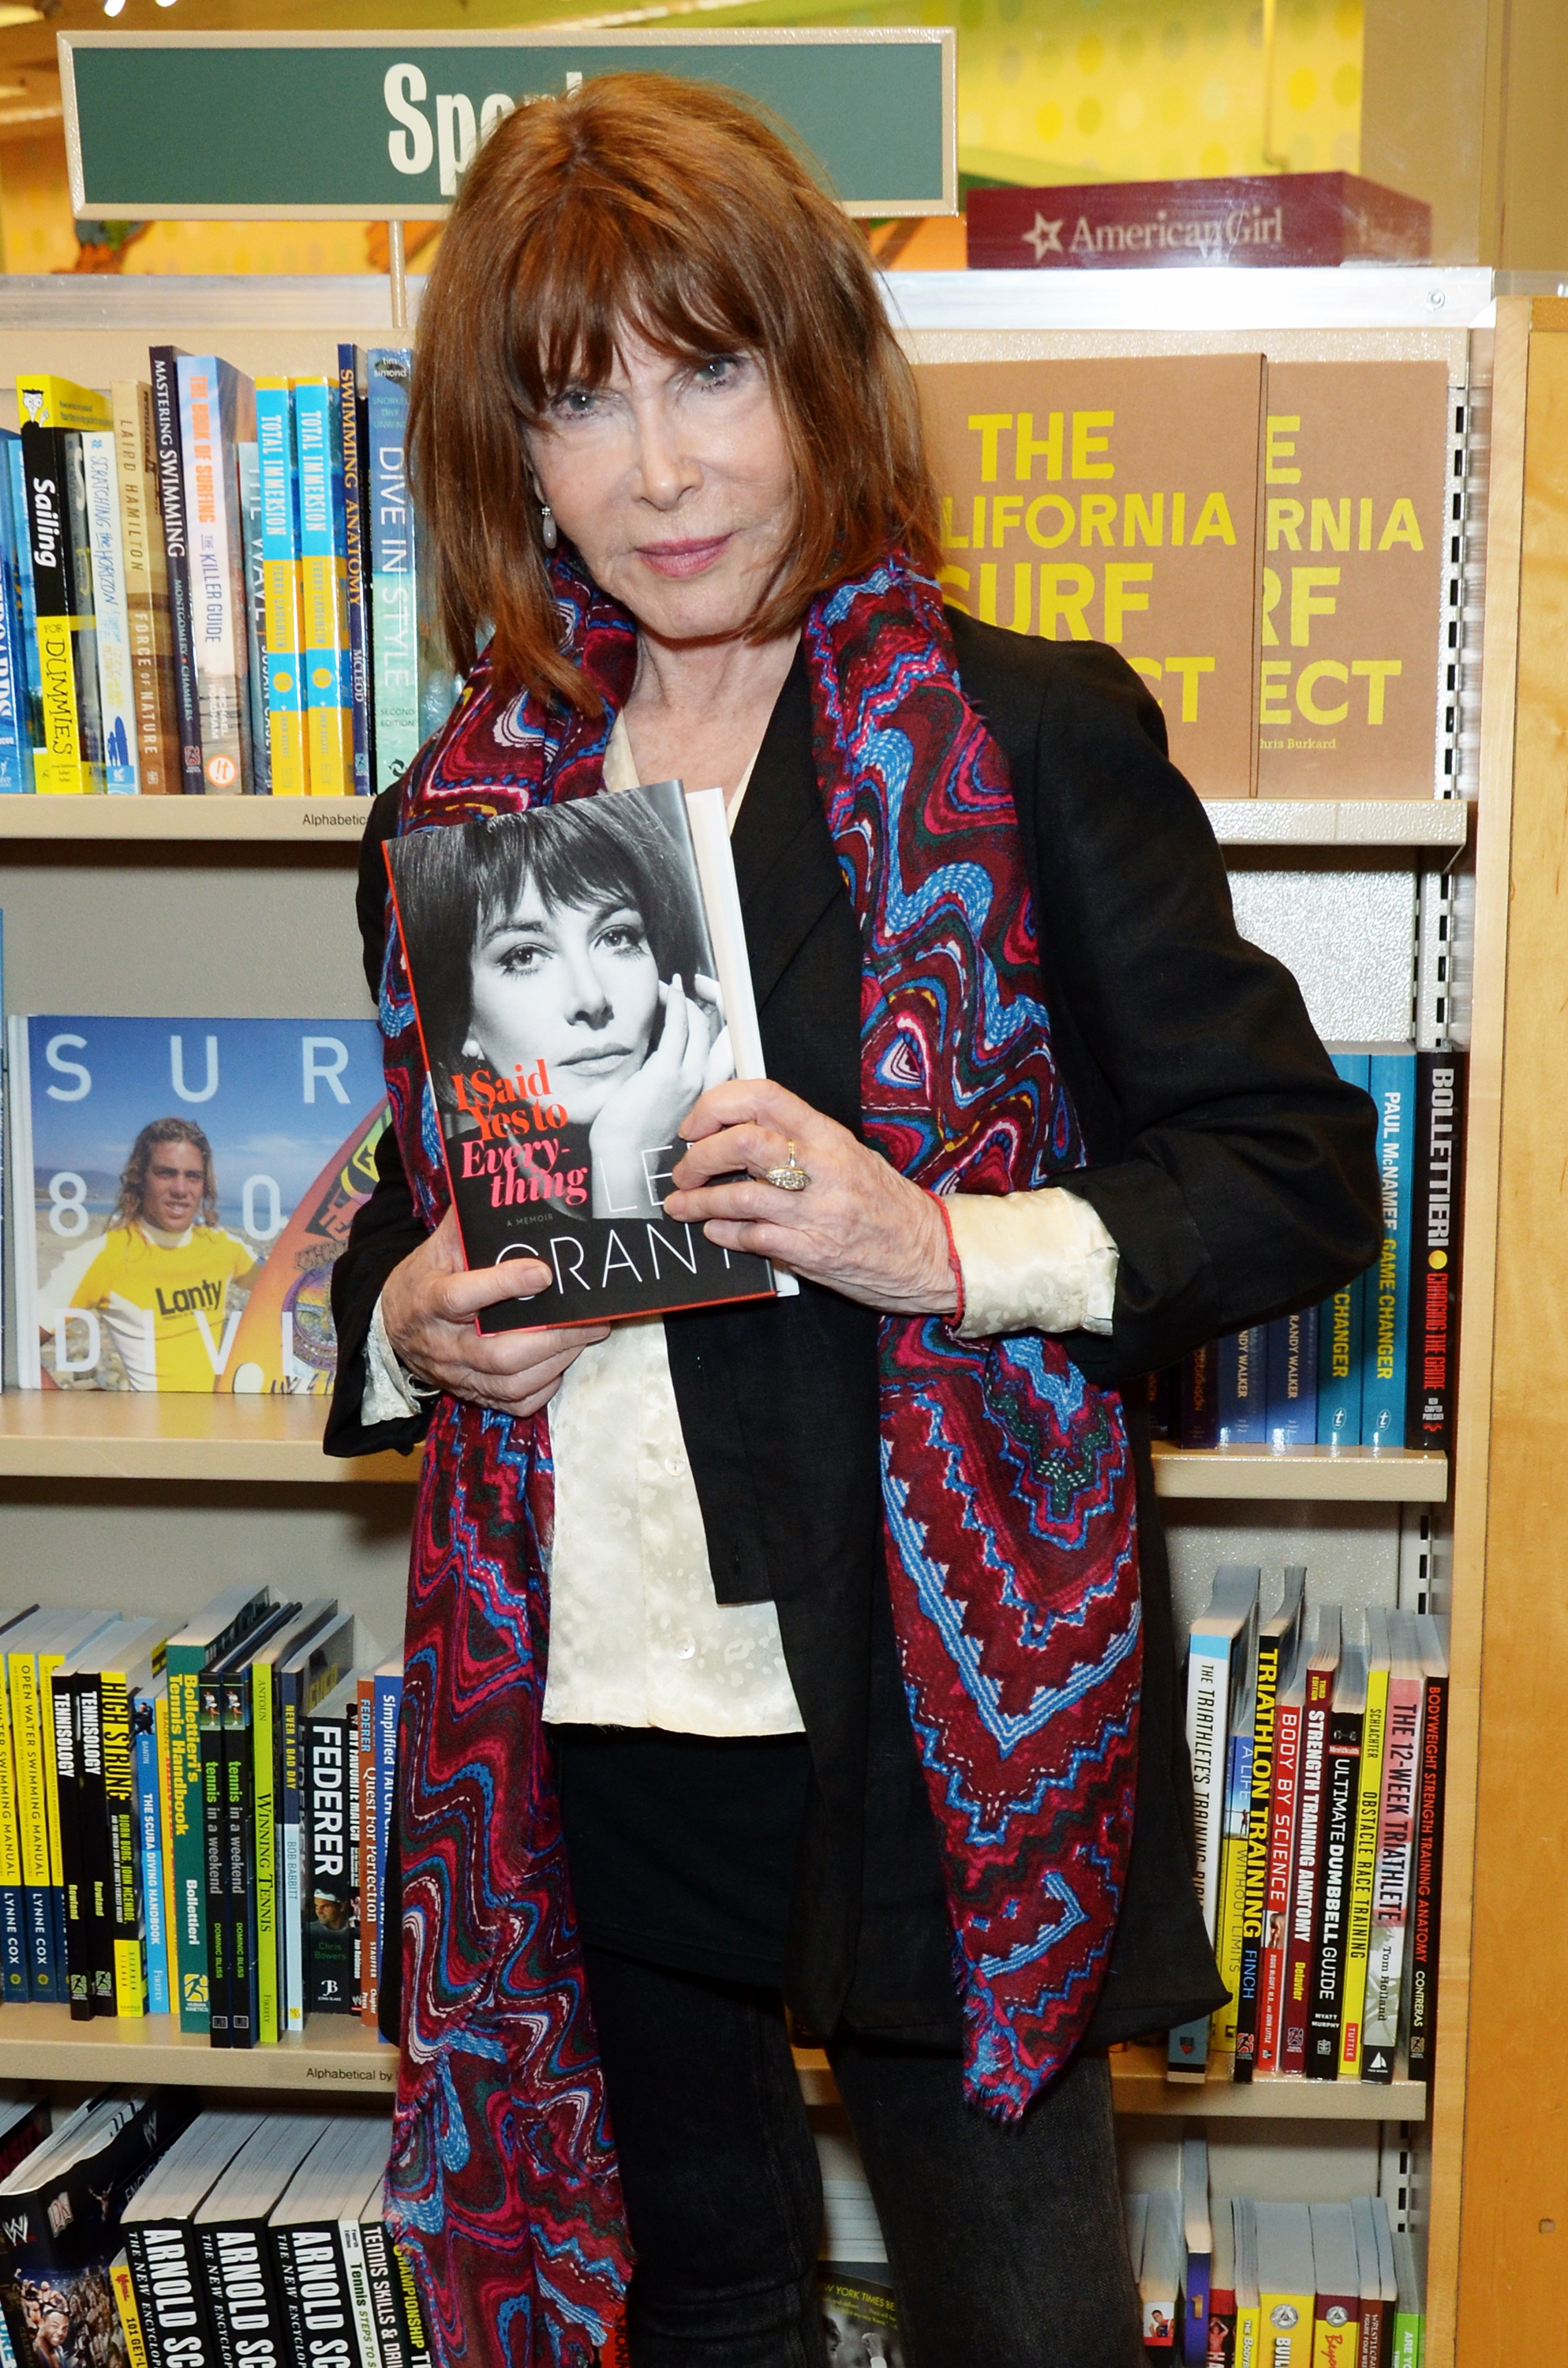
[{"x": 1008, "y": 1485}]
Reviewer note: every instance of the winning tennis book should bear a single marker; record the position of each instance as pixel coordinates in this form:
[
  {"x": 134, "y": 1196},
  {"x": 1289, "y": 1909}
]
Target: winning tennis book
[{"x": 579, "y": 979}]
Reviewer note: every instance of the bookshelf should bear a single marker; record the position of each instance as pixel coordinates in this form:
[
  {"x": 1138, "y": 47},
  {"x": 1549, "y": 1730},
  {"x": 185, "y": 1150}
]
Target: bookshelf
[{"x": 243, "y": 905}]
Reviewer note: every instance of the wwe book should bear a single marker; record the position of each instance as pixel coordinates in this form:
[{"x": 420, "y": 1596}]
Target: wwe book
[
  {"x": 579, "y": 978},
  {"x": 191, "y": 1183}
]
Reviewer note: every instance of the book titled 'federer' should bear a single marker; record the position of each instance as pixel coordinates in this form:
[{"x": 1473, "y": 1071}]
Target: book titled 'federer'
[{"x": 579, "y": 979}]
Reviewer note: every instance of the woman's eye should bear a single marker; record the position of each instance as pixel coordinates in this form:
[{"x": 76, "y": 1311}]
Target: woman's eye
[
  {"x": 576, "y": 402},
  {"x": 622, "y": 937},
  {"x": 718, "y": 370},
  {"x": 517, "y": 961}
]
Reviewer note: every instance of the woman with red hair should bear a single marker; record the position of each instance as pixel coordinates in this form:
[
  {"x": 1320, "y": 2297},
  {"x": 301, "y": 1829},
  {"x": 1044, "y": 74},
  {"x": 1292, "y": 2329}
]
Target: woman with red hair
[{"x": 816, "y": 1651}]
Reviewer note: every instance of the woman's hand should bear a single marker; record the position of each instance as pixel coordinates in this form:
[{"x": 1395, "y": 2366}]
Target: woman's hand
[
  {"x": 428, "y": 1306},
  {"x": 859, "y": 1226},
  {"x": 644, "y": 1115}
]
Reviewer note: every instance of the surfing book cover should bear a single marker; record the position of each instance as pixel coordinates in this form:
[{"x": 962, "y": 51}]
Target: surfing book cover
[{"x": 579, "y": 980}]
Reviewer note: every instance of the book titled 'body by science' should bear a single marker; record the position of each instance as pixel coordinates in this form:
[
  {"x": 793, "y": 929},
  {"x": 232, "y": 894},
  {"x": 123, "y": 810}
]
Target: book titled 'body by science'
[{"x": 579, "y": 977}]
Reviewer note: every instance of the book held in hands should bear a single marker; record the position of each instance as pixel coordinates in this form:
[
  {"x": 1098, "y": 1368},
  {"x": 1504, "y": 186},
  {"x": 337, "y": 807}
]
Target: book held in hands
[{"x": 580, "y": 980}]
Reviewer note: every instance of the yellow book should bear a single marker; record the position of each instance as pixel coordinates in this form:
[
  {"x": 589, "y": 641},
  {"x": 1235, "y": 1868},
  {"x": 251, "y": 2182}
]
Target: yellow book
[
  {"x": 264, "y": 1764},
  {"x": 70, "y": 761},
  {"x": 1364, "y": 1858},
  {"x": 16, "y": 1962},
  {"x": 1287, "y": 2291},
  {"x": 129, "y": 2316},
  {"x": 323, "y": 590},
  {"x": 282, "y": 591},
  {"x": 45, "y": 1973},
  {"x": 166, "y": 1817}
]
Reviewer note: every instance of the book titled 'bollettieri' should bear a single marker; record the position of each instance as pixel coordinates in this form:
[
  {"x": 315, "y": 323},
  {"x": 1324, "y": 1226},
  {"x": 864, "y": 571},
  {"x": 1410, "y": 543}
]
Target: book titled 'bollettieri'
[{"x": 579, "y": 979}]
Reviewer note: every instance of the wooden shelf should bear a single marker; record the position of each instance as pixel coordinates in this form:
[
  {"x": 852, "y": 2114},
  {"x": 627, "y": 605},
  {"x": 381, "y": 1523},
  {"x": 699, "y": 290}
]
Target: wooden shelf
[
  {"x": 338, "y": 2054},
  {"x": 1284, "y": 823},
  {"x": 112, "y": 1435},
  {"x": 1138, "y": 2086},
  {"x": 1335, "y": 1475}
]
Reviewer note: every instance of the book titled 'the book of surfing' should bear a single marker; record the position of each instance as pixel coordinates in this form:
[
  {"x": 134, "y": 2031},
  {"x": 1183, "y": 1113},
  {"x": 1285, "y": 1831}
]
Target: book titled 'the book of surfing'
[{"x": 579, "y": 979}]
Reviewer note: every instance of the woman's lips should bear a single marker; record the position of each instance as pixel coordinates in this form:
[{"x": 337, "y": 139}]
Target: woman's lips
[
  {"x": 681, "y": 558},
  {"x": 602, "y": 1057}
]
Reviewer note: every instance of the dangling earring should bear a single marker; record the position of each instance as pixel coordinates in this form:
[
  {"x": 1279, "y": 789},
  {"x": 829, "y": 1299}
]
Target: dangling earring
[{"x": 547, "y": 525}]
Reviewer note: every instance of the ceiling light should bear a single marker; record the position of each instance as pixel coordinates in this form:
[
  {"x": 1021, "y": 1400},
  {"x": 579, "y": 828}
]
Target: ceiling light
[
  {"x": 19, "y": 16},
  {"x": 113, "y": 7}
]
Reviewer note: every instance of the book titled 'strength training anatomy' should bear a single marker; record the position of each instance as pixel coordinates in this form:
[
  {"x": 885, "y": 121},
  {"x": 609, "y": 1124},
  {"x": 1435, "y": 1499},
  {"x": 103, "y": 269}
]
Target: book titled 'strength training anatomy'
[{"x": 579, "y": 979}]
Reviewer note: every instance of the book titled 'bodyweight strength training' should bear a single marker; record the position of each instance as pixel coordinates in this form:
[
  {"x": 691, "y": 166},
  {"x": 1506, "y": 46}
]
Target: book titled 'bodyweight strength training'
[{"x": 579, "y": 979}]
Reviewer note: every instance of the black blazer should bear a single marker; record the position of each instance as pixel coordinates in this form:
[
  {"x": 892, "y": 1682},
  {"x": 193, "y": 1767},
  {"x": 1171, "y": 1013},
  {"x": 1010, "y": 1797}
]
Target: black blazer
[{"x": 1233, "y": 1168}]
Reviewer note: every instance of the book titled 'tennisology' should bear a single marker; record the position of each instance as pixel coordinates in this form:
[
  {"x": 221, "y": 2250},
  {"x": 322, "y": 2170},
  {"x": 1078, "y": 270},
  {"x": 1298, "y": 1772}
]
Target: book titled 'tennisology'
[{"x": 579, "y": 979}]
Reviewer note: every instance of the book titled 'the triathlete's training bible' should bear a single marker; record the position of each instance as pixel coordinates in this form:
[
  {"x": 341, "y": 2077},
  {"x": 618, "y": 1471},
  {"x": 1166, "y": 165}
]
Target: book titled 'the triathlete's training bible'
[{"x": 579, "y": 979}]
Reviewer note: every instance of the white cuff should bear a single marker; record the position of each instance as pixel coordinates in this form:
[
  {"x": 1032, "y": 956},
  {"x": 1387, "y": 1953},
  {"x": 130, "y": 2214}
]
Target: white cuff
[
  {"x": 1032, "y": 1262},
  {"x": 391, "y": 1395}
]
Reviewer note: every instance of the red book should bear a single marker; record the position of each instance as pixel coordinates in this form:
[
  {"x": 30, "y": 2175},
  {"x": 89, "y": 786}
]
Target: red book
[
  {"x": 1288, "y": 1712},
  {"x": 1322, "y": 1659},
  {"x": 1301, "y": 218},
  {"x": 365, "y": 1819}
]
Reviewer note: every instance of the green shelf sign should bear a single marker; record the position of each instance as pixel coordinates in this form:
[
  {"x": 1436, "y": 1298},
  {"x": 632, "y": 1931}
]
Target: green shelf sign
[{"x": 368, "y": 127}]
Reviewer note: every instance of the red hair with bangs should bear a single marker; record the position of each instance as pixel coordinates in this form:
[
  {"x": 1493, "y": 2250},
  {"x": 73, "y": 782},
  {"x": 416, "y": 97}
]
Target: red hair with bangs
[{"x": 674, "y": 210}]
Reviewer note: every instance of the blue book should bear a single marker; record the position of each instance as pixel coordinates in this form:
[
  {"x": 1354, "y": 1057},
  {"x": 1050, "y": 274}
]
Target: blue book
[
  {"x": 150, "y": 1829},
  {"x": 1243, "y": 1390},
  {"x": 388, "y": 1706},
  {"x": 1392, "y": 1088},
  {"x": 395, "y": 622},
  {"x": 15, "y": 746},
  {"x": 1292, "y": 1379},
  {"x": 1341, "y": 1324},
  {"x": 350, "y": 493}
]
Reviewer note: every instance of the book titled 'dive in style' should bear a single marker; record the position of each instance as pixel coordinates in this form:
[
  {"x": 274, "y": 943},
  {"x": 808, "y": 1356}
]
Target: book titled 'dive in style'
[{"x": 579, "y": 977}]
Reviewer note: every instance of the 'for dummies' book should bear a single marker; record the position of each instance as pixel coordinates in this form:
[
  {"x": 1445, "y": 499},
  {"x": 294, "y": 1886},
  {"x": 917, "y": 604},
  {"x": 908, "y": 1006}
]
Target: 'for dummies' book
[{"x": 580, "y": 980}]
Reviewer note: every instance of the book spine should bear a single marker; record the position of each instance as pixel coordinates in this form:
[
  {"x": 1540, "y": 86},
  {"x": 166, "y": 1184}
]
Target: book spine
[
  {"x": 1437, "y": 1188},
  {"x": 1292, "y": 1358},
  {"x": 215, "y": 1916},
  {"x": 217, "y": 574},
  {"x": 1391, "y": 1877},
  {"x": 166, "y": 1842},
  {"x": 31, "y": 1706},
  {"x": 188, "y": 1908},
  {"x": 264, "y": 1833},
  {"x": 129, "y": 2318},
  {"x": 329, "y": 1901},
  {"x": 1277, "y": 1909},
  {"x": 1384, "y": 1387},
  {"x": 13, "y": 1897},
  {"x": 1409, "y": 2339},
  {"x": 78, "y": 1948},
  {"x": 15, "y": 751},
  {"x": 1426, "y": 1880},
  {"x": 350, "y": 491},
  {"x": 1198, "y": 1416},
  {"x": 1233, "y": 1890},
  {"x": 27, "y": 597},
  {"x": 316, "y": 2303},
  {"x": 122, "y": 1826},
  {"x": 1208, "y": 1707},
  {"x": 351, "y": 2245},
  {"x": 239, "y": 1864},
  {"x": 1341, "y": 1324},
  {"x": 111, "y": 621},
  {"x": 55, "y": 1903},
  {"x": 96, "y": 1865},
  {"x": 416, "y": 2333},
  {"x": 329, "y": 723},
  {"x": 249, "y": 465},
  {"x": 1259, "y": 1811},
  {"x": 280, "y": 587},
  {"x": 1363, "y": 1869},
  {"x": 61, "y": 766},
  {"x": 380, "y": 2275},
  {"x": 150, "y": 1838},
  {"x": 85, "y": 638},
  {"x": 1374, "y": 2334},
  {"x": 249, "y": 2322},
  {"x": 1333, "y": 1913},
  {"x": 166, "y": 2268},
  {"x": 1242, "y": 1387},
  {"x": 290, "y": 1896},
  {"x": 370, "y": 1898},
  {"x": 394, "y": 619},
  {"x": 1305, "y": 1874},
  {"x": 146, "y": 591},
  {"x": 163, "y": 362},
  {"x": 388, "y": 1705}
]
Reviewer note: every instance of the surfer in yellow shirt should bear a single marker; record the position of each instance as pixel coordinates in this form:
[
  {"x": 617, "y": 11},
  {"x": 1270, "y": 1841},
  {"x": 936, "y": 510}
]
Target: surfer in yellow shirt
[{"x": 167, "y": 1282}]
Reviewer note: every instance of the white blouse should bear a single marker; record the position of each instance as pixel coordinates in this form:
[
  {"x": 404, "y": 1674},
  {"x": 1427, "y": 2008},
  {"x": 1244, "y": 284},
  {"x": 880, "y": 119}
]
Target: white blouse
[{"x": 637, "y": 1637}]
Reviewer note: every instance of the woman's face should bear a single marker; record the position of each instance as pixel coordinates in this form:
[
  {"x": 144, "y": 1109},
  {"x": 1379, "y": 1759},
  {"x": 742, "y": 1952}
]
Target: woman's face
[
  {"x": 572, "y": 985},
  {"x": 674, "y": 481}
]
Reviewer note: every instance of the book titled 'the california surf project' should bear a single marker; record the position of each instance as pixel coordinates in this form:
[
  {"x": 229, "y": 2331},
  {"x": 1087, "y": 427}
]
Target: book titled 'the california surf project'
[{"x": 579, "y": 979}]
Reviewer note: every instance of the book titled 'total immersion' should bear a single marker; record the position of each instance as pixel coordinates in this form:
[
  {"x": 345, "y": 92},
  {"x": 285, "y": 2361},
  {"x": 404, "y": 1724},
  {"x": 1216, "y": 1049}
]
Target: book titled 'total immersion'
[{"x": 579, "y": 979}]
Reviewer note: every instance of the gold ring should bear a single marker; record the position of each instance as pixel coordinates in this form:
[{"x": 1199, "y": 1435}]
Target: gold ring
[{"x": 791, "y": 1177}]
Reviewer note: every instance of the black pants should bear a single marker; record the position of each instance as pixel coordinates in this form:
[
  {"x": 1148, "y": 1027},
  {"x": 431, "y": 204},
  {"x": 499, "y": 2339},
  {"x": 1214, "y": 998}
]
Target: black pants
[{"x": 1005, "y": 2246}]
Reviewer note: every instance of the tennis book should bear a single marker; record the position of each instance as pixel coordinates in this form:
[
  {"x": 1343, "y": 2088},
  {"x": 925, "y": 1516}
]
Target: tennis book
[{"x": 579, "y": 977}]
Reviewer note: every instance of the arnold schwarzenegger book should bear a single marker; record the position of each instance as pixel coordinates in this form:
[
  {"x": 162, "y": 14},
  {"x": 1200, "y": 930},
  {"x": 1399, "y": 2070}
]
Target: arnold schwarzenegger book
[{"x": 580, "y": 980}]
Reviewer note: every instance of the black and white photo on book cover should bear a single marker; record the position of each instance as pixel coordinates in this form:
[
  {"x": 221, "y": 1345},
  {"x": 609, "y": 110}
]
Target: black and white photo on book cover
[{"x": 580, "y": 980}]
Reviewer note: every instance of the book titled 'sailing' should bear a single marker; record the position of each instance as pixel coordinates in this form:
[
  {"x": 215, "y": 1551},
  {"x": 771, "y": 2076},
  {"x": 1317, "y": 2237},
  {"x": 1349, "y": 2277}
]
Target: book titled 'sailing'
[{"x": 580, "y": 980}]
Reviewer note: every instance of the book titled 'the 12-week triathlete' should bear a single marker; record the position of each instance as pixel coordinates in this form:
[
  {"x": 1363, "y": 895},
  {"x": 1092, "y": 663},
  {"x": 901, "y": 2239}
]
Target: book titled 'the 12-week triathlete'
[{"x": 579, "y": 979}]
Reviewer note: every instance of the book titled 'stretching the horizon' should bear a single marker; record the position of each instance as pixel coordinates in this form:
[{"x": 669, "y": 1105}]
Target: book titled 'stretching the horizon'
[{"x": 579, "y": 979}]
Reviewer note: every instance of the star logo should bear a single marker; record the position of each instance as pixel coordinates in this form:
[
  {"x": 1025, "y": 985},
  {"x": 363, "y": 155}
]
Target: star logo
[{"x": 1045, "y": 238}]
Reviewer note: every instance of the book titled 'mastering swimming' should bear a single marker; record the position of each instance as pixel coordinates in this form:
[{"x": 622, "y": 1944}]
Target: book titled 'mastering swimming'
[{"x": 580, "y": 980}]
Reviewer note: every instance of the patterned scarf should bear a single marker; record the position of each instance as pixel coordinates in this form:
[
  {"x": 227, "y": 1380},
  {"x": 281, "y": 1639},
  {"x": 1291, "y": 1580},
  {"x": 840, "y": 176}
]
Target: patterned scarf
[{"x": 1007, "y": 1489}]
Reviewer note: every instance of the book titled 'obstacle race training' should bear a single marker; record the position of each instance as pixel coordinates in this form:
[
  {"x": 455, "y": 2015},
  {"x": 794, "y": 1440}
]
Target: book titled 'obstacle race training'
[{"x": 579, "y": 979}]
